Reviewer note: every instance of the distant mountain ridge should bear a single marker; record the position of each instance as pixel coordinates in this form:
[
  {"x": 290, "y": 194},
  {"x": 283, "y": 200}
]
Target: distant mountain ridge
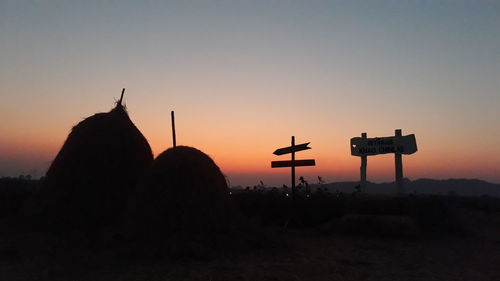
[{"x": 464, "y": 187}]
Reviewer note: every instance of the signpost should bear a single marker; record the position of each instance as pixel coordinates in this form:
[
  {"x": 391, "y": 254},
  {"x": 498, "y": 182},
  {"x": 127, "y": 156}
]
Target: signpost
[
  {"x": 290, "y": 149},
  {"x": 292, "y": 163},
  {"x": 398, "y": 144},
  {"x": 372, "y": 146},
  {"x": 296, "y": 163}
]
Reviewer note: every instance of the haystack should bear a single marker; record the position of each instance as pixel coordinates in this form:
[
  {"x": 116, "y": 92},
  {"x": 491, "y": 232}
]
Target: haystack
[
  {"x": 184, "y": 199},
  {"x": 88, "y": 183}
]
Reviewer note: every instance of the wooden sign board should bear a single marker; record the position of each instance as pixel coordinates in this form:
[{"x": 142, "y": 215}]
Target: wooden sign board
[
  {"x": 293, "y": 163},
  {"x": 290, "y": 149},
  {"x": 373, "y": 146}
]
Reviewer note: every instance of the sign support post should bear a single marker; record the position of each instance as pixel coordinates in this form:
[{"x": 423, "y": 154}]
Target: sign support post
[
  {"x": 292, "y": 164},
  {"x": 364, "y": 163},
  {"x": 398, "y": 159},
  {"x": 397, "y": 144},
  {"x": 293, "y": 168}
]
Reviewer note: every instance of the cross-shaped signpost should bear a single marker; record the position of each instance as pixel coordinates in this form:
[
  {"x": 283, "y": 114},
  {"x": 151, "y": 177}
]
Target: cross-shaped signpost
[{"x": 292, "y": 163}]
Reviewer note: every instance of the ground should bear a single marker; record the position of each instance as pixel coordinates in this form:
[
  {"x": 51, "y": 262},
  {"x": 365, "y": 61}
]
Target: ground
[
  {"x": 456, "y": 239},
  {"x": 310, "y": 254}
]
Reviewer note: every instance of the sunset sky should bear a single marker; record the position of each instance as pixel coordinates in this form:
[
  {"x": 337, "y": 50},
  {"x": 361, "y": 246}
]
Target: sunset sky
[{"x": 244, "y": 76}]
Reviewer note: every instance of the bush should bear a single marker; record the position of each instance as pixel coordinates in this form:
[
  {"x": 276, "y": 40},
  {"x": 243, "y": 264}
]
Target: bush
[{"x": 14, "y": 193}]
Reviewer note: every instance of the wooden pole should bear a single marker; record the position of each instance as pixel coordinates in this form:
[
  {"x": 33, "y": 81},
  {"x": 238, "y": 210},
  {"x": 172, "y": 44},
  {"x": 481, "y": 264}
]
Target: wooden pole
[
  {"x": 293, "y": 169},
  {"x": 172, "y": 117},
  {"x": 364, "y": 163},
  {"x": 291, "y": 207},
  {"x": 399, "y": 167},
  {"x": 121, "y": 97}
]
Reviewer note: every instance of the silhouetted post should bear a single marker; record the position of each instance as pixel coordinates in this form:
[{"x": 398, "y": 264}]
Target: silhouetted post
[
  {"x": 173, "y": 128},
  {"x": 364, "y": 163},
  {"x": 293, "y": 168},
  {"x": 121, "y": 97},
  {"x": 292, "y": 163},
  {"x": 399, "y": 167}
]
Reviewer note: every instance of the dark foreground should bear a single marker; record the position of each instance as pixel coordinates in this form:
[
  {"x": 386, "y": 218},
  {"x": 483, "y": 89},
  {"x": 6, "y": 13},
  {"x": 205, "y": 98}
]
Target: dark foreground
[
  {"x": 333, "y": 237},
  {"x": 309, "y": 254}
]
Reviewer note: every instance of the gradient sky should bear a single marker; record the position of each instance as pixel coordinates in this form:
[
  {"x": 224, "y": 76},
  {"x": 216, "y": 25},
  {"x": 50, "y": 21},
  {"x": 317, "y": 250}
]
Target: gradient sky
[{"x": 243, "y": 76}]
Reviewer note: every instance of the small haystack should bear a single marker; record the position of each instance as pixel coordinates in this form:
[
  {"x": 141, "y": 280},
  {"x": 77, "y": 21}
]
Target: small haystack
[
  {"x": 184, "y": 201},
  {"x": 89, "y": 182}
]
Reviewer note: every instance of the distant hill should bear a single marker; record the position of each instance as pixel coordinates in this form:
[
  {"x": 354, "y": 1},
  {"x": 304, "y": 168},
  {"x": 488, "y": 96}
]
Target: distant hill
[{"x": 464, "y": 187}]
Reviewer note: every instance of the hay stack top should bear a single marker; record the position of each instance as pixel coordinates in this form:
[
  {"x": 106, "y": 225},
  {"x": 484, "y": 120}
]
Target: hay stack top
[
  {"x": 184, "y": 191},
  {"x": 190, "y": 170},
  {"x": 101, "y": 160},
  {"x": 103, "y": 136}
]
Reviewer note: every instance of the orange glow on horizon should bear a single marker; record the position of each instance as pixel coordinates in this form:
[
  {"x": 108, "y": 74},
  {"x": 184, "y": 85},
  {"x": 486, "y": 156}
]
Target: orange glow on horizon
[
  {"x": 250, "y": 165},
  {"x": 242, "y": 141}
]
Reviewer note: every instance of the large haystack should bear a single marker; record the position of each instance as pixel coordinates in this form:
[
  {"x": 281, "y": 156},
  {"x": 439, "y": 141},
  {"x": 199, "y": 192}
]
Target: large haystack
[
  {"x": 183, "y": 200},
  {"x": 88, "y": 184}
]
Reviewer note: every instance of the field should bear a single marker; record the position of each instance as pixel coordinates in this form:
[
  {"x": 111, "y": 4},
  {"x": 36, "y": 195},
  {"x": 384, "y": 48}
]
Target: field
[{"x": 330, "y": 237}]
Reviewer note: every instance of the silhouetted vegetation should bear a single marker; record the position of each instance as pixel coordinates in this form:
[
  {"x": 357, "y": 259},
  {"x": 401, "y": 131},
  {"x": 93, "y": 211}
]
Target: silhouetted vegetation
[
  {"x": 269, "y": 205},
  {"x": 316, "y": 207},
  {"x": 14, "y": 193},
  {"x": 484, "y": 203},
  {"x": 273, "y": 205},
  {"x": 173, "y": 214}
]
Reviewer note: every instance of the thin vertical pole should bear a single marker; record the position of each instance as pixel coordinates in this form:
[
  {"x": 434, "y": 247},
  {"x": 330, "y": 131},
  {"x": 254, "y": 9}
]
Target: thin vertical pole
[
  {"x": 173, "y": 128},
  {"x": 291, "y": 207},
  {"x": 399, "y": 167},
  {"x": 293, "y": 168},
  {"x": 121, "y": 97},
  {"x": 364, "y": 163}
]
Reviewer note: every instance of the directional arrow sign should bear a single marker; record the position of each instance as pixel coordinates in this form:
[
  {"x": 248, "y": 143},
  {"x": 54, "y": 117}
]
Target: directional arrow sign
[
  {"x": 290, "y": 149},
  {"x": 294, "y": 163}
]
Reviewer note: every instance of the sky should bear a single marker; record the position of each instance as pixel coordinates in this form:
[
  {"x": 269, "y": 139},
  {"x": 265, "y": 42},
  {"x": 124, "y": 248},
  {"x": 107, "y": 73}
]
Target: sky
[{"x": 244, "y": 76}]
